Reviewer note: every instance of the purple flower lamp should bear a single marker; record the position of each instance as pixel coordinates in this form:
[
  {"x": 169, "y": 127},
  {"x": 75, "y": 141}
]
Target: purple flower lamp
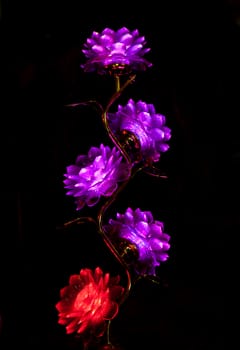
[
  {"x": 95, "y": 175},
  {"x": 148, "y": 127},
  {"x": 119, "y": 52},
  {"x": 138, "y": 137},
  {"x": 146, "y": 238}
]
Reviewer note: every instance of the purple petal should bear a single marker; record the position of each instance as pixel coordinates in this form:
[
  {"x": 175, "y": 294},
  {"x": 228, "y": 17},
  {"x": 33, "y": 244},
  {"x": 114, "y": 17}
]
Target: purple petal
[
  {"x": 98, "y": 49},
  {"x": 142, "y": 228},
  {"x": 126, "y": 39},
  {"x": 107, "y": 188},
  {"x": 72, "y": 169},
  {"x": 134, "y": 49},
  {"x": 163, "y": 147},
  {"x": 157, "y": 134},
  {"x": 106, "y": 40}
]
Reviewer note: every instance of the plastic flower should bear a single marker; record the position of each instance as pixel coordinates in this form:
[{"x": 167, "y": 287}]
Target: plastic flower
[
  {"x": 95, "y": 174},
  {"x": 90, "y": 299},
  {"x": 140, "y": 229},
  {"x": 115, "y": 49},
  {"x": 141, "y": 119}
]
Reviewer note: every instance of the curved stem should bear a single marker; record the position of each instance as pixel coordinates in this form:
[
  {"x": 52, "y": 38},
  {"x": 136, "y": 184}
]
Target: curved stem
[
  {"x": 104, "y": 208},
  {"x": 119, "y": 90},
  {"x": 109, "y": 243},
  {"x": 104, "y": 115}
]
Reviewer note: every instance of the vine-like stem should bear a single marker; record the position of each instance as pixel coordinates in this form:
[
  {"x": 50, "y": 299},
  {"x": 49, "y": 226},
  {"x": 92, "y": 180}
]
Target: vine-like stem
[
  {"x": 103, "y": 209},
  {"x": 112, "y": 199},
  {"x": 108, "y": 241},
  {"x": 104, "y": 115}
]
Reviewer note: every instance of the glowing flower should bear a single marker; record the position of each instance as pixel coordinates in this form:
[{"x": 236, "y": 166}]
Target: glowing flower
[
  {"x": 90, "y": 299},
  {"x": 140, "y": 229},
  {"x": 121, "y": 49},
  {"x": 140, "y": 119},
  {"x": 95, "y": 174}
]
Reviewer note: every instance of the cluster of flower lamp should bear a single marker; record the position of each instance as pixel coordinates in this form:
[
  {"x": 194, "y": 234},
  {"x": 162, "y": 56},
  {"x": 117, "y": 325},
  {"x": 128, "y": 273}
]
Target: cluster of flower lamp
[{"x": 138, "y": 136}]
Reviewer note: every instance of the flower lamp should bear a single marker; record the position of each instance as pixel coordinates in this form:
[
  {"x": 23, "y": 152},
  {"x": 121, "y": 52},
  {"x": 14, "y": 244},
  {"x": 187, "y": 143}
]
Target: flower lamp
[{"x": 138, "y": 138}]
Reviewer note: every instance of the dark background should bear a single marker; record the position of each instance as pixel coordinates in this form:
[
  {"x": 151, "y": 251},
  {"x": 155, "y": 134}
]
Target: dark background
[{"x": 194, "y": 82}]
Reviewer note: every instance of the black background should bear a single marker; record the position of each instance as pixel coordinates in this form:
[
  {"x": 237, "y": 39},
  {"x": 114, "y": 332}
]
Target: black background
[{"x": 193, "y": 82}]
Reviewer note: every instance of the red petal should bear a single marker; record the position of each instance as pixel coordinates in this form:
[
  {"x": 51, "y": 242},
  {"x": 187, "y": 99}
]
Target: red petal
[
  {"x": 97, "y": 274},
  {"x": 74, "y": 279},
  {"x": 72, "y": 326},
  {"x": 86, "y": 276},
  {"x": 64, "y": 291},
  {"x": 83, "y": 327}
]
